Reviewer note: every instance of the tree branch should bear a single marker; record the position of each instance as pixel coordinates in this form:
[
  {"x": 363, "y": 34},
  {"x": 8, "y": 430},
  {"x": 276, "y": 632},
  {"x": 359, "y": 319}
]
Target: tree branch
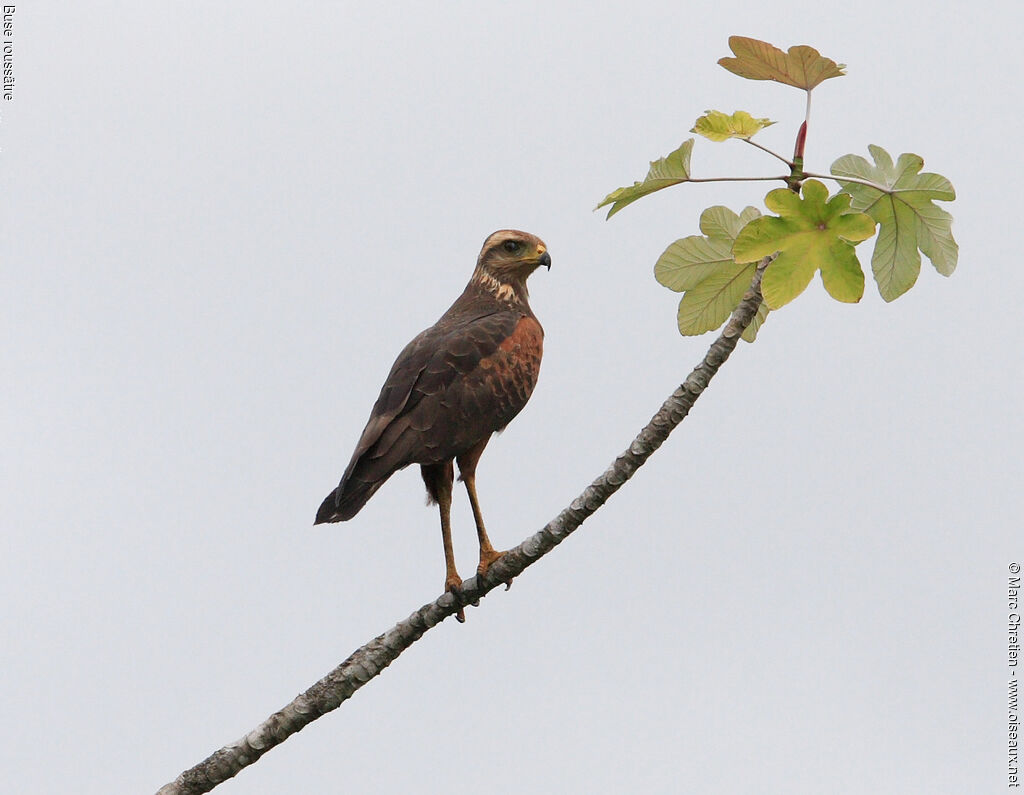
[{"x": 365, "y": 663}]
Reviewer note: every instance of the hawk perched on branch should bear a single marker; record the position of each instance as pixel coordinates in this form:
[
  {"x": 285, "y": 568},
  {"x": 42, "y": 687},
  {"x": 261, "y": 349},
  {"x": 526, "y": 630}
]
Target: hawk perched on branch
[{"x": 450, "y": 389}]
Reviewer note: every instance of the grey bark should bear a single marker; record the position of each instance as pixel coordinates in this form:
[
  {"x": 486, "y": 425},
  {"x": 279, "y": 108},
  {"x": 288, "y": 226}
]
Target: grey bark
[{"x": 369, "y": 660}]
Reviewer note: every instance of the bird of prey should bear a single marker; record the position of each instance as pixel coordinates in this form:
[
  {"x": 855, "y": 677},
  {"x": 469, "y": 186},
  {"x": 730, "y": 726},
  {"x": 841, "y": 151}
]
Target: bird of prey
[{"x": 457, "y": 383}]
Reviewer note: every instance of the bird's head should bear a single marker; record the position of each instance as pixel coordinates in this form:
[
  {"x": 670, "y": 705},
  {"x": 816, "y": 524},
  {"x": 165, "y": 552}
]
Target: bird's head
[{"x": 507, "y": 258}]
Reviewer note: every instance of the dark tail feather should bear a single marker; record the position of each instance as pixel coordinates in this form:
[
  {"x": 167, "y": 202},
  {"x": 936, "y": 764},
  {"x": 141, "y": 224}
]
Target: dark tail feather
[{"x": 347, "y": 500}]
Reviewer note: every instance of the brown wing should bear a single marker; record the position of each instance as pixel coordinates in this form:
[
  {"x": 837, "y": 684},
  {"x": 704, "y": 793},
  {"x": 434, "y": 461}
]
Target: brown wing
[{"x": 452, "y": 386}]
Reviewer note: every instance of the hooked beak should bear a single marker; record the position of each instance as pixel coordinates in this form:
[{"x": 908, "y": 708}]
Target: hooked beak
[{"x": 545, "y": 260}]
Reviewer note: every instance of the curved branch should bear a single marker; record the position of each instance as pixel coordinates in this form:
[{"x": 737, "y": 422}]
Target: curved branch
[{"x": 365, "y": 663}]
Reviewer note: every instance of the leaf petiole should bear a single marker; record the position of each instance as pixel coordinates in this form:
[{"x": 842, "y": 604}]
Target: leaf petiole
[
  {"x": 783, "y": 178},
  {"x": 769, "y": 151},
  {"x": 870, "y": 184}
]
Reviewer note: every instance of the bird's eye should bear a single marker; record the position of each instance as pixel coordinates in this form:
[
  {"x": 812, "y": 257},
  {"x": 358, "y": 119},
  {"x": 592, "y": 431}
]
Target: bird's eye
[{"x": 511, "y": 246}]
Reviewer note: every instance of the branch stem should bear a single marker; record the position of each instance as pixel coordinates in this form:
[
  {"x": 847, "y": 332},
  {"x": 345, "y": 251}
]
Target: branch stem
[{"x": 371, "y": 659}]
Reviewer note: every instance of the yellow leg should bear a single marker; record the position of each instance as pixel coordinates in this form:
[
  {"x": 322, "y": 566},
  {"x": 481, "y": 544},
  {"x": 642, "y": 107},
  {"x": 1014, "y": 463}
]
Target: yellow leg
[
  {"x": 467, "y": 474},
  {"x": 439, "y": 479},
  {"x": 452, "y": 580},
  {"x": 488, "y": 554}
]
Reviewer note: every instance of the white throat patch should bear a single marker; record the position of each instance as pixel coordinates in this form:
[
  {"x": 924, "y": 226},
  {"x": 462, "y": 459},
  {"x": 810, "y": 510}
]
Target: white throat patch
[{"x": 501, "y": 291}]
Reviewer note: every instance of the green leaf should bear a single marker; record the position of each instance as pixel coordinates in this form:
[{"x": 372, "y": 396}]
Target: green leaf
[
  {"x": 670, "y": 170},
  {"x": 903, "y": 205},
  {"x": 703, "y": 268},
  {"x": 802, "y": 67},
  {"x": 708, "y": 305},
  {"x": 717, "y": 126},
  {"x": 810, "y": 233}
]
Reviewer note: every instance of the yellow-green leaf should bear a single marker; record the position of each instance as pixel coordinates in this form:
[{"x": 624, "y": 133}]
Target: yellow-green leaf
[
  {"x": 672, "y": 169},
  {"x": 803, "y": 66},
  {"x": 708, "y": 305},
  {"x": 810, "y": 233},
  {"x": 703, "y": 268},
  {"x": 718, "y": 126},
  {"x": 903, "y": 205}
]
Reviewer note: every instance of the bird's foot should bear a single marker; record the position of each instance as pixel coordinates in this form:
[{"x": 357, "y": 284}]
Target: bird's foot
[
  {"x": 453, "y": 584},
  {"x": 486, "y": 559}
]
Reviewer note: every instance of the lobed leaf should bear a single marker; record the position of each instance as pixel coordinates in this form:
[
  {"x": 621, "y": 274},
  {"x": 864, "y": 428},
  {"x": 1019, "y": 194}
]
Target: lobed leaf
[
  {"x": 672, "y": 169},
  {"x": 703, "y": 268},
  {"x": 802, "y": 66},
  {"x": 902, "y": 203},
  {"x": 717, "y": 126},
  {"x": 811, "y": 232}
]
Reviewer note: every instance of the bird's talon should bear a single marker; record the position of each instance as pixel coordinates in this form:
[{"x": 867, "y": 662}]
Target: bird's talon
[
  {"x": 487, "y": 559},
  {"x": 454, "y": 586}
]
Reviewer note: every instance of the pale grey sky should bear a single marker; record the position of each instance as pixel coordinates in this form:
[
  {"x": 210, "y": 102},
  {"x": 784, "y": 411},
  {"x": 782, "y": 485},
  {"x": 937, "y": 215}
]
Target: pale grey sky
[{"x": 220, "y": 223}]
